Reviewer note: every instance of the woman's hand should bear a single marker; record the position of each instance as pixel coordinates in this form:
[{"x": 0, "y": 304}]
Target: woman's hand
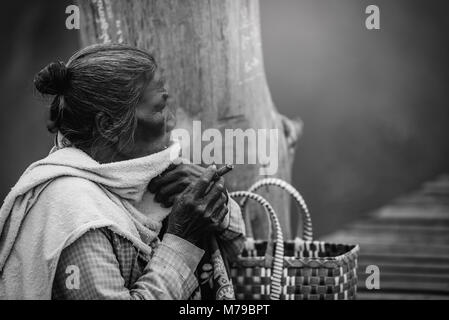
[
  {"x": 174, "y": 181},
  {"x": 200, "y": 208}
]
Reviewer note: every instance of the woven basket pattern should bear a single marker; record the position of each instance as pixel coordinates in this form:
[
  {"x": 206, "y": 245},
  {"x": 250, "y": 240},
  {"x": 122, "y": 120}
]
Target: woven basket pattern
[
  {"x": 311, "y": 270},
  {"x": 299, "y": 200},
  {"x": 316, "y": 271},
  {"x": 274, "y": 269}
]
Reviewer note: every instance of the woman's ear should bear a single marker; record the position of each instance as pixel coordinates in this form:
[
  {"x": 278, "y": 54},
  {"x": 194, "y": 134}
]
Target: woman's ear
[{"x": 103, "y": 123}]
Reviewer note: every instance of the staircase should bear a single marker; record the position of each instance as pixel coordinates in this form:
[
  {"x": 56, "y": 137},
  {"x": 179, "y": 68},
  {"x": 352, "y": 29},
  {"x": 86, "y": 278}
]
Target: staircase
[{"x": 408, "y": 239}]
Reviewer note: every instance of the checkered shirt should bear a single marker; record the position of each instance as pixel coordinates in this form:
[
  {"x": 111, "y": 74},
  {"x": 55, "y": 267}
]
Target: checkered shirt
[{"x": 104, "y": 265}]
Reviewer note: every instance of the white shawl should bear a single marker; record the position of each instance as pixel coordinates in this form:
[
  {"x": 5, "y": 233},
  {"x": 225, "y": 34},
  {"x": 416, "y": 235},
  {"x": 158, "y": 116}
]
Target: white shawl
[{"x": 61, "y": 197}]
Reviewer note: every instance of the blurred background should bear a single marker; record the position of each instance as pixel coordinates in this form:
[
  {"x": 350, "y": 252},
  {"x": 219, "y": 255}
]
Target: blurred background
[{"x": 374, "y": 102}]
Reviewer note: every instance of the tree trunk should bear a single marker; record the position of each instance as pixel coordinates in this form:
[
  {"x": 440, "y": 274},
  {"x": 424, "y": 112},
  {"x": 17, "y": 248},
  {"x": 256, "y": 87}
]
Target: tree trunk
[{"x": 210, "y": 55}]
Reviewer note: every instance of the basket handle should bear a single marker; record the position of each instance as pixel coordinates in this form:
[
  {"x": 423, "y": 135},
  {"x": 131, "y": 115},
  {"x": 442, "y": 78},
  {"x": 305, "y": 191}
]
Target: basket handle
[
  {"x": 307, "y": 221},
  {"x": 274, "y": 260}
]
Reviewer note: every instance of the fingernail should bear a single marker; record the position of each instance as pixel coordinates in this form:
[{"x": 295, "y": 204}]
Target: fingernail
[{"x": 207, "y": 267}]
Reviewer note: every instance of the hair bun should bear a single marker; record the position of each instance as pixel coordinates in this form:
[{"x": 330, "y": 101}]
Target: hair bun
[{"x": 53, "y": 79}]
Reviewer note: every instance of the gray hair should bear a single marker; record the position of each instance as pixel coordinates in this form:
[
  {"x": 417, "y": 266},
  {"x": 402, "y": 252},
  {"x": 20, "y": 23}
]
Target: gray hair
[{"x": 107, "y": 79}]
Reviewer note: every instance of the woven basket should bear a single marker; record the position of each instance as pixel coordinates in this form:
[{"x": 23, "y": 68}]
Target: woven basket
[{"x": 299, "y": 269}]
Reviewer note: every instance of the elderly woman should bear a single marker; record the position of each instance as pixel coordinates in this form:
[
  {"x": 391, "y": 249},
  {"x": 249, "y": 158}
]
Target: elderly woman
[{"x": 113, "y": 212}]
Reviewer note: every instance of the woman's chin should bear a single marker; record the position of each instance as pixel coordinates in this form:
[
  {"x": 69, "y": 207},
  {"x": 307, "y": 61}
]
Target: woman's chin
[
  {"x": 170, "y": 121},
  {"x": 170, "y": 125}
]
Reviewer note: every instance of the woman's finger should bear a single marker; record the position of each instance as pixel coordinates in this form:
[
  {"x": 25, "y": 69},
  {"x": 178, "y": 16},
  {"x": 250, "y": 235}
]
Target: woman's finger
[
  {"x": 215, "y": 205},
  {"x": 163, "y": 179},
  {"x": 207, "y": 267},
  {"x": 215, "y": 192},
  {"x": 218, "y": 215},
  {"x": 171, "y": 200},
  {"x": 219, "y": 203},
  {"x": 205, "y": 275},
  {"x": 201, "y": 185},
  {"x": 169, "y": 190},
  {"x": 175, "y": 173}
]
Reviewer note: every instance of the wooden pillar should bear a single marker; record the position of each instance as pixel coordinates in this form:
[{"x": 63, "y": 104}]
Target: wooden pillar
[{"x": 210, "y": 54}]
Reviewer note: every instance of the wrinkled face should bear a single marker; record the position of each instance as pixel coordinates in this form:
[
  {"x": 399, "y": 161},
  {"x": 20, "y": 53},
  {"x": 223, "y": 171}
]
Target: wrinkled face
[{"x": 155, "y": 121}]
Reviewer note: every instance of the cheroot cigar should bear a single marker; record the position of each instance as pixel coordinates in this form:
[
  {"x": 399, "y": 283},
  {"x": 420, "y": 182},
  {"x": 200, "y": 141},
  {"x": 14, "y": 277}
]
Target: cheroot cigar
[{"x": 223, "y": 170}]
